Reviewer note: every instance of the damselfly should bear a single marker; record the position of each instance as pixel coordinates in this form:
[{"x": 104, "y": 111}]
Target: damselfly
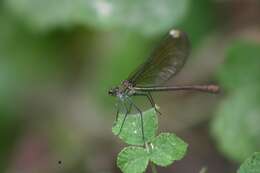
[{"x": 166, "y": 61}]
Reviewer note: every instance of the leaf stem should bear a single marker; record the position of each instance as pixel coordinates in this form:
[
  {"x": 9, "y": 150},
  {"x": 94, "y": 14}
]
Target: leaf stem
[{"x": 153, "y": 168}]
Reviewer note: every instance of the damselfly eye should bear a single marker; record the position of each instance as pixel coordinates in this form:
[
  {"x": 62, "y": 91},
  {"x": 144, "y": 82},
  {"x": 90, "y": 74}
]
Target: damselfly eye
[
  {"x": 113, "y": 91},
  {"x": 110, "y": 92}
]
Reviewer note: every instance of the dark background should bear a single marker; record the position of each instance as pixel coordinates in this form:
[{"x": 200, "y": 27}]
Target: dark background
[{"x": 59, "y": 58}]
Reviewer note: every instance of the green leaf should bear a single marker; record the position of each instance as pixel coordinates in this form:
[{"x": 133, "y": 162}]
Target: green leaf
[
  {"x": 251, "y": 165},
  {"x": 236, "y": 125},
  {"x": 131, "y": 132},
  {"x": 133, "y": 160},
  {"x": 138, "y": 15},
  {"x": 166, "y": 148},
  {"x": 241, "y": 66}
]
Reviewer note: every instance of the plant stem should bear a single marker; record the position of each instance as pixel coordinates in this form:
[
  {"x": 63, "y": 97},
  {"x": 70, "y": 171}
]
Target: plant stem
[
  {"x": 153, "y": 168},
  {"x": 151, "y": 163},
  {"x": 203, "y": 170}
]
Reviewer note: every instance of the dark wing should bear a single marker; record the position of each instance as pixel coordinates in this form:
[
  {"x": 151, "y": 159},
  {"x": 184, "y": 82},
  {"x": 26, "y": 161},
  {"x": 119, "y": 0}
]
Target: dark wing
[{"x": 166, "y": 61}]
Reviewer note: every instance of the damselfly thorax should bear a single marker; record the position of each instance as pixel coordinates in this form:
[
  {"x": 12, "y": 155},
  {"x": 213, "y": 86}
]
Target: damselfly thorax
[{"x": 125, "y": 89}]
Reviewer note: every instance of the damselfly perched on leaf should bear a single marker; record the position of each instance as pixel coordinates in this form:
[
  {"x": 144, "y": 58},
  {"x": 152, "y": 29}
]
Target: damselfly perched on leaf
[{"x": 166, "y": 61}]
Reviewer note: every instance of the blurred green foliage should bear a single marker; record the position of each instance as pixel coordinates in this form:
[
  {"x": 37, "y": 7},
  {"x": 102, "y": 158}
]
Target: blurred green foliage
[
  {"x": 236, "y": 126},
  {"x": 241, "y": 68},
  {"x": 26, "y": 57},
  {"x": 9, "y": 132},
  {"x": 142, "y": 16},
  {"x": 200, "y": 20}
]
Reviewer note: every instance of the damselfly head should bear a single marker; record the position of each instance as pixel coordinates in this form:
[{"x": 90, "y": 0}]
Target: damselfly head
[{"x": 113, "y": 91}]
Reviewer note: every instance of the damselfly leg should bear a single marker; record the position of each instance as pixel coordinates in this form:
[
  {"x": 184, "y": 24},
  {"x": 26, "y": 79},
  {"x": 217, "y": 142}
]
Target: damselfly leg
[
  {"x": 127, "y": 111},
  {"x": 150, "y": 98},
  {"x": 141, "y": 116},
  {"x": 118, "y": 106}
]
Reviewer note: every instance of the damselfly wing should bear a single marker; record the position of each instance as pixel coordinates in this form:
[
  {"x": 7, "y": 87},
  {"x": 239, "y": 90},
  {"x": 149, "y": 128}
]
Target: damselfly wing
[{"x": 165, "y": 61}]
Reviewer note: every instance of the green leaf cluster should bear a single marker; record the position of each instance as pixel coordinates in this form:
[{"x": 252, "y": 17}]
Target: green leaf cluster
[
  {"x": 236, "y": 125},
  {"x": 162, "y": 150}
]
